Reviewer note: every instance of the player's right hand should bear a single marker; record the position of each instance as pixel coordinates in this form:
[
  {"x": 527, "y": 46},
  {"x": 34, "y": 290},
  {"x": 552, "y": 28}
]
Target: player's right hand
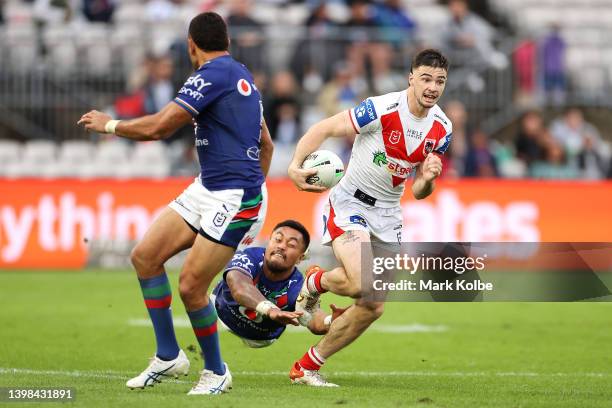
[
  {"x": 283, "y": 317},
  {"x": 299, "y": 176}
]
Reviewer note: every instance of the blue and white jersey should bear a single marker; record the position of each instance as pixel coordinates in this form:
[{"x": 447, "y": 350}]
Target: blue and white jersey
[
  {"x": 245, "y": 322},
  {"x": 227, "y": 110}
]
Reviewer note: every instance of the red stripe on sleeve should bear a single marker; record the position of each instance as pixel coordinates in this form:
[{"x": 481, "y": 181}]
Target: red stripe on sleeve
[{"x": 352, "y": 123}]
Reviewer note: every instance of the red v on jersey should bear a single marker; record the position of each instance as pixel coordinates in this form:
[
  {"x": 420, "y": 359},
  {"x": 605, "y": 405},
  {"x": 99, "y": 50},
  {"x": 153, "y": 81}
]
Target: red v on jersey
[
  {"x": 436, "y": 132},
  {"x": 393, "y": 138}
]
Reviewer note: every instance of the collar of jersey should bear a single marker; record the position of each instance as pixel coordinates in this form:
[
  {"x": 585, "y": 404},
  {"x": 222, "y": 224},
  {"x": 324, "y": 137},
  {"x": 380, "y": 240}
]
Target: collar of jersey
[{"x": 214, "y": 59}]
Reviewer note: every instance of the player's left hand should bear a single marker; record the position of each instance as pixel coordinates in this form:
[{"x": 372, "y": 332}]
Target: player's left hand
[
  {"x": 94, "y": 121},
  {"x": 432, "y": 167},
  {"x": 337, "y": 311},
  {"x": 283, "y": 317}
]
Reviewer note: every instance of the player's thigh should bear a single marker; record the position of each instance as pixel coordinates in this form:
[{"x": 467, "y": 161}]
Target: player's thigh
[
  {"x": 349, "y": 249},
  {"x": 168, "y": 235},
  {"x": 204, "y": 261}
]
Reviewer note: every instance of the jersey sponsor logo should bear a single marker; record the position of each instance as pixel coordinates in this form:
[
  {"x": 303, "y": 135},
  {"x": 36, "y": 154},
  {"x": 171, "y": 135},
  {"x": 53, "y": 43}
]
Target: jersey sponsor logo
[
  {"x": 201, "y": 142},
  {"x": 253, "y": 153},
  {"x": 198, "y": 82},
  {"x": 395, "y": 136},
  {"x": 429, "y": 145},
  {"x": 219, "y": 219},
  {"x": 415, "y": 134},
  {"x": 244, "y": 88},
  {"x": 380, "y": 158},
  {"x": 242, "y": 260},
  {"x": 357, "y": 219},
  {"x": 392, "y": 106},
  {"x": 250, "y": 314},
  {"x": 441, "y": 118},
  {"x": 365, "y": 113},
  {"x": 396, "y": 169},
  {"x": 191, "y": 93}
]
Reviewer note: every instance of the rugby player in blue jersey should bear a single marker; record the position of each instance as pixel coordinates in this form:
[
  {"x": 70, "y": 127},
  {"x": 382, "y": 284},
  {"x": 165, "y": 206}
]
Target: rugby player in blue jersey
[
  {"x": 256, "y": 298},
  {"x": 224, "y": 206}
]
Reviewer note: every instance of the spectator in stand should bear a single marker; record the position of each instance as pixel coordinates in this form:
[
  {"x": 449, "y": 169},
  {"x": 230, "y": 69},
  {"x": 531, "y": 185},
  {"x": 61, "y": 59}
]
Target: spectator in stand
[
  {"x": 555, "y": 164},
  {"x": 283, "y": 109},
  {"x": 320, "y": 44},
  {"x": 553, "y": 66},
  {"x": 468, "y": 40},
  {"x": 397, "y": 27},
  {"x": 525, "y": 62},
  {"x": 159, "y": 89},
  {"x": 571, "y": 131},
  {"x": 99, "y": 10},
  {"x": 479, "y": 161},
  {"x": 532, "y": 138},
  {"x": 454, "y": 160},
  {"x": 246, "y": 35},
  {"x": 340, "y": 93},
  {"x": 591, "y": 161},
  {"x": 364, "y": 43},
  {"x": 162, "y": 10}
]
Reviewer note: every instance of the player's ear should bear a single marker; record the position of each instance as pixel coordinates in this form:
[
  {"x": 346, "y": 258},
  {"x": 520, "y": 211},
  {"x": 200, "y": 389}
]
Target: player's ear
[{"x": 191, "y": 46}]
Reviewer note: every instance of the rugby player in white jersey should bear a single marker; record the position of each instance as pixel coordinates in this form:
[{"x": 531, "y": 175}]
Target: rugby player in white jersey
[{"x": 399, "y": 136}]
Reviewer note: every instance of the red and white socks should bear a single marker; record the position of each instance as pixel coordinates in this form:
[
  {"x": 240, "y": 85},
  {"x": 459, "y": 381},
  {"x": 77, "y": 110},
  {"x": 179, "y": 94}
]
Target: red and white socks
[
  {"x": 313, "y": 282},
  {"x": 311, "y": 360}
]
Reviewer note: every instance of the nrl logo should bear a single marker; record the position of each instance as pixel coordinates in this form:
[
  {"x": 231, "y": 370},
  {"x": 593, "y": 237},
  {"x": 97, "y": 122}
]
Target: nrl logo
[
  {"x": 380, "y": 158},
  {"x": 395, "y": 136}
]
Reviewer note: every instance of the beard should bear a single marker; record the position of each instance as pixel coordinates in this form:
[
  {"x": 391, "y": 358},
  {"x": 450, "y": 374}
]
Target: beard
[{"x": 275, "y": 268}]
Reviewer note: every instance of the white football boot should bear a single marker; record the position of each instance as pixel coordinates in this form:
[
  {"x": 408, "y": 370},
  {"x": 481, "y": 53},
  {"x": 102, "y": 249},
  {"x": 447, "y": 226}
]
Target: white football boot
[
  {"x": 309, "y": 377},
  {"x": 307, "y": 302},
  {"x": 211, "y": 383},
  {"x": 158, "y": 369}
]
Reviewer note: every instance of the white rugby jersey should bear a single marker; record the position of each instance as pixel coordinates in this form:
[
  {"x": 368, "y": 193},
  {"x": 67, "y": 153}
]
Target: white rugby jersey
[{"x": 390, "y": 143}]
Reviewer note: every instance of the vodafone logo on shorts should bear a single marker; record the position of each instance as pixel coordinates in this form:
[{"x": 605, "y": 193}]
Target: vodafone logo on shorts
[{"x": 244, "y": 87}]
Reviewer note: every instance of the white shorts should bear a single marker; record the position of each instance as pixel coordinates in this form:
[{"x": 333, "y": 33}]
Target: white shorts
[
  {"x": 231, "y": 217},
  {"x": 344, "y": 212}
]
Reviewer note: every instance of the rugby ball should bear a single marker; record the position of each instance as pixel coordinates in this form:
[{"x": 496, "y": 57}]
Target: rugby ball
[{"x": 330, "y": 168}]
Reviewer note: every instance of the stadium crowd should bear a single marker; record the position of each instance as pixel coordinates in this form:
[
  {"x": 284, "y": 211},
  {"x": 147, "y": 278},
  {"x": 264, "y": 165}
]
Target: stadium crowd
[{"x": 346, "y": 51}]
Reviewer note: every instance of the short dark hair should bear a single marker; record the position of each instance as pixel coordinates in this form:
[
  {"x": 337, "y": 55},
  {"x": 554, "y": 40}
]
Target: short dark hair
[
  {"x": 209, "y": 32},
  {"x": 430, "y": 58},
  {"x": 298, "y": 227}
]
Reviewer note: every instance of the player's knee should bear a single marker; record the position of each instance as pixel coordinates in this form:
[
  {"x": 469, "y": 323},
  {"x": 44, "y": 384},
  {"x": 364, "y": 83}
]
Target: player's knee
[
  {"x": 373, "y": 310},
  {"x": 138, "y": 257},
  {"x": 190, "y": 290}
]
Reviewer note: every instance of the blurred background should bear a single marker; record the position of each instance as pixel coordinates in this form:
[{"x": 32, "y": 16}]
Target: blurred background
[{"x": 529, "y": 96}]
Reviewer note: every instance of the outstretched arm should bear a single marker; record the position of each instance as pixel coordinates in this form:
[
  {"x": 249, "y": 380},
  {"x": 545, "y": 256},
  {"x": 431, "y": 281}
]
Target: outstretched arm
[
  {"x": 338, "y": 125},
  {"x": 246, "y": 294},
  {"x": 423, "y": 184},
  {"x": 150, "y": 127}
]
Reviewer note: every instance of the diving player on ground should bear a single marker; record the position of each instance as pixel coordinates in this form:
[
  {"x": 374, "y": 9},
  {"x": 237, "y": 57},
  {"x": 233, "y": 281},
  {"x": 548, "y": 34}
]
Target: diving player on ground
[
  {"x": 256, "y": 298},
  {"x": 224, "y": 206},
  {"x": 398, "y": 135}
]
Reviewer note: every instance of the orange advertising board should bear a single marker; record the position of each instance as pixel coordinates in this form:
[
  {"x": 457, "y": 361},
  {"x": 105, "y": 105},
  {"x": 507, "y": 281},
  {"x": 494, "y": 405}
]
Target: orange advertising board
[{"x": 45, "y": 223}]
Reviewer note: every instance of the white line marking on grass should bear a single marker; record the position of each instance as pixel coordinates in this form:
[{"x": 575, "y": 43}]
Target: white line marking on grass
[
  {"x": 183, "y": 322},
  {"x": 119, "y": 375}
]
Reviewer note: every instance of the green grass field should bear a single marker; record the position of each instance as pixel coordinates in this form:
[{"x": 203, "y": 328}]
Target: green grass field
[{"x": 86, "y": 330}]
